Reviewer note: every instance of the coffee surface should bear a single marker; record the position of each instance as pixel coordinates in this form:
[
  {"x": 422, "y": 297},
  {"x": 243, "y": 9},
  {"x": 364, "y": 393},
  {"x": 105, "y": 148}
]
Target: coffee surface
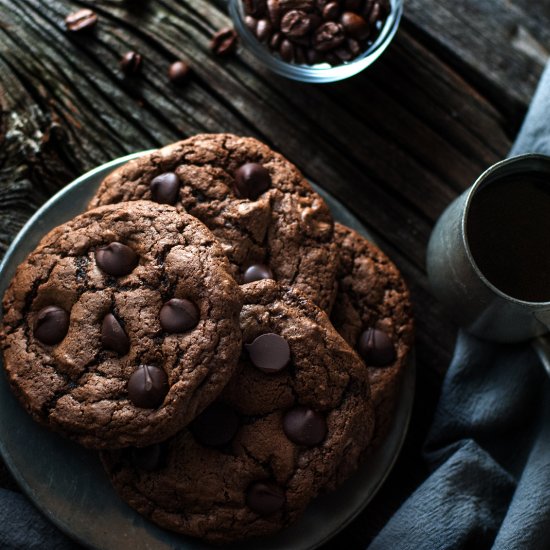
[{"x": 508, "y": 229}]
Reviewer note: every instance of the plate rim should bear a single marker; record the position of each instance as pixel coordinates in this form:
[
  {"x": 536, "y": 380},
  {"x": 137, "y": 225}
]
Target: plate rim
[{"x": 407, "y": 383}]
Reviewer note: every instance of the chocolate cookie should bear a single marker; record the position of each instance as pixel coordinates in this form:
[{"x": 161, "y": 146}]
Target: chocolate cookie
[
  {"x": 296, "y": 415},
  {"x": 267, "y": 217},
  {"x": 122, "y": 325},
  {"x": 372, "y": 311}
]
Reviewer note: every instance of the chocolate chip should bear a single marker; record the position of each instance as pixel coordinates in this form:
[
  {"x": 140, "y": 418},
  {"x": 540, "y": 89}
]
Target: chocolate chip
[
  {"x": 147, "y": 458},
  {"x": 251, "y": 180},
  {"x": 354, "y": 25},
  {"x": 179, "y": 315},
  {"x": 116, "y": 259},
  {"x": 304, "y": 426},
  {"x": 376, "y": 348},
  {"x": 178, "y": 73},
  {"x": 130, "y": 64},
  {"x": 295, "y": 23},
  {"x": 165, "y": 188},
  {"x": 113, "y": 336},
  {"x": 328, "y": 36},
  {"x": 51, "y": 325},
  {"x": 257, "y": 272},
  {"x": 269, "y": 352},
  {"x": 216, "y": 425},
  {"x": 264, "y": 497},
  {"x": 147, "y": 387},
  {"x": 224, "y": 42},
  {"x": 80, "y": 20}
]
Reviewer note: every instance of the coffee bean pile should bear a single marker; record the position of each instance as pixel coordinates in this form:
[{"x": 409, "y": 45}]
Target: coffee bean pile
[{"x": 309, "y": 32}]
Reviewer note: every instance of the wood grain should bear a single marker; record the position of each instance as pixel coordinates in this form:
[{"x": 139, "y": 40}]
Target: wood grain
[{"x": 396, "y": 143}]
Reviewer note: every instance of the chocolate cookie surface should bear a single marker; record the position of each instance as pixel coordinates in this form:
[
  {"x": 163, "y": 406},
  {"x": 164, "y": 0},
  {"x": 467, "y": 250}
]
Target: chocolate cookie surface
[
  {"x": 293, "y": 419},
  {"x": 122, "y": 325},
  {"x": 266, "y": 215},
  {"x": 372, "y": 311}
]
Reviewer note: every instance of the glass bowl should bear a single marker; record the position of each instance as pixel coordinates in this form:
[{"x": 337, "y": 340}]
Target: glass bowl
[{"x": 322, "y": 72}]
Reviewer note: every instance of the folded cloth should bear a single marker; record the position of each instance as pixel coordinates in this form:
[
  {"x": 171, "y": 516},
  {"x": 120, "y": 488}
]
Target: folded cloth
[{"x": 489, "y": 445}]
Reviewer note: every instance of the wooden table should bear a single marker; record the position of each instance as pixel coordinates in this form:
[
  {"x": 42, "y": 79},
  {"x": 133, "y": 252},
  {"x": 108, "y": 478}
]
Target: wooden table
[{"x": 396, "y": 143}]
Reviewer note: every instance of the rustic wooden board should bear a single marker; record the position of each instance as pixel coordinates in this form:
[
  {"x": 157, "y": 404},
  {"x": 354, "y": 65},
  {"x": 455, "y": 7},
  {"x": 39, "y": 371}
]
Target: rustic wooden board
[{"x": 396, "y": 143}]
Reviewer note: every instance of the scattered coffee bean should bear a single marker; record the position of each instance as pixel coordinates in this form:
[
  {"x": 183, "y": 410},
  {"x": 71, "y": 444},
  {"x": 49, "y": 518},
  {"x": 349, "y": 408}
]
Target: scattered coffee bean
[
  {"x": 147, "y": 387},
  {"x": 269, "y": 352},
  {"x": 130, "y": 64},
  {"x": 179, "y": 72},
  {"x": 251, "y": 181},
  {"x": 81, "y": 20},
  {"x": 113, "y": 336},
  {"x": 265, "y": 498},
  {"x": 147, "y": 458},
  {"x": 116, "y": 259},
  {"x": 316, "y": 31},
  {"x": 257, "y": 272},
  {"x": 165, "y": 188},
  {"x": 178, "y": 315},
  {"x": 216, "y": 425},
  {"x": 224, "y": 42},
  {"x": 376, "y": 348},
  {"x": 304, "y": 426},
  {"x": 51, "y": 325}
]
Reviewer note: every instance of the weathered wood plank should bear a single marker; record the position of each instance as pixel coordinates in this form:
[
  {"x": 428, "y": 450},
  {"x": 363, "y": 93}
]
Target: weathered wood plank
[{"x": 501, "y": 45}]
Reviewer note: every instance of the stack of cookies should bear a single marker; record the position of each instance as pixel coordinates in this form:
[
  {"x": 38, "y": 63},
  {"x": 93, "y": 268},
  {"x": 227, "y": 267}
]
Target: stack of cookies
[{"x": 230, "y": 350}]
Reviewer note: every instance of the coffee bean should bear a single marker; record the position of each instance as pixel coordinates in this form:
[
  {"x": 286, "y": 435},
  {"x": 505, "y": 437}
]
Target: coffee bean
[
  {"x": 376, "y": 348},
  {"x": 51, "y": 325},
  {"x": 331, "y": 11},
  {"x": 354, "y": 25},
  {"x": 375, "y": 14},
  {"x": 264, "y": 30},
  {"x": 305, "y": 426},
  {"x": 178, "y": 315},
  {"x": 113, "y": 336},
  {"x": 178, "y": 73},
  {"x": 300, "y": 56},
  {"x": 116, "y": 259},
  {"x": 81, "y": 20},
  {"x": 295, "y": 23},
  {"x": 130, "y": 64},
  {"x": 286, "y": 51},
  {"x": 265, "y": 497},
  {"x": 165, "y": 188},
  {"x": 147, "y": 458},
  {"x": 269, "y": 352},
  {"x": 367, "y": 8},
  {"x": 304, "y": 5},
  {"x": 251, "y": 23},
  {"x": 147, "y": 387},
  {"x": 251, "y": 180},
  {"x": 328, "y": 36},
  {"x": 257, "y": 272},
  {"x": 275, "y": 41},
  {"x": 254, "y": 7},
  {"x": 216, "y": 425},
  {"x": 352, "y": 5},
  {"x": 313, "y": 56},
  {"x": 353, "y": 46},
  {"x": 224, "y": 42},
  {"x": 343, "y": 54},
  {"x": 274, "y": 10}
]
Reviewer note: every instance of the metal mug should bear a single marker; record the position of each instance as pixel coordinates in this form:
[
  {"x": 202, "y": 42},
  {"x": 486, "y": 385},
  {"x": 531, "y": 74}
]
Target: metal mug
[{"x": 457, "y": 281}]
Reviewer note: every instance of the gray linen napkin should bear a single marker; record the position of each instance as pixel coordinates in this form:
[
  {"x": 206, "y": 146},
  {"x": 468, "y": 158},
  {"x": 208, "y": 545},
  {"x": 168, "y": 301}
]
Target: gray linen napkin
[{"x": 489, "y": 445}]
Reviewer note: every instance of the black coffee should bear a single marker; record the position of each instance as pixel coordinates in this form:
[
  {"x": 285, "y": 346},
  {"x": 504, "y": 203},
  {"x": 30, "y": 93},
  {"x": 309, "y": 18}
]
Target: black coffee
[{"x": 508, "y": 229}]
